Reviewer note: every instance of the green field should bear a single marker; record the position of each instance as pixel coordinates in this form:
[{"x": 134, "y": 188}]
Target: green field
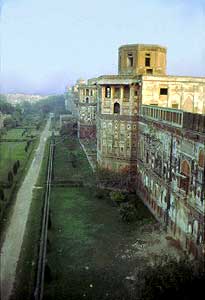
[{"x": 12, "y": 148}]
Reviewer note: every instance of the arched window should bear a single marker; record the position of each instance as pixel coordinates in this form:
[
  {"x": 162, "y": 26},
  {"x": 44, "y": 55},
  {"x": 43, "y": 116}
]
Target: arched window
[
  {"x": 201, "y": 159},
  {"x": 116, "y": 108},
  {"x": 87, "y": 99},
  {"x": 185, "y": 176}
]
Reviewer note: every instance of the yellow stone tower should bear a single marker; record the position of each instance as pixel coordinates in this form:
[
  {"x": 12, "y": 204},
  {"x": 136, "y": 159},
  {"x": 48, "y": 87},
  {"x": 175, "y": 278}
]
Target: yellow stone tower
[{"x": 140, "y": 59}]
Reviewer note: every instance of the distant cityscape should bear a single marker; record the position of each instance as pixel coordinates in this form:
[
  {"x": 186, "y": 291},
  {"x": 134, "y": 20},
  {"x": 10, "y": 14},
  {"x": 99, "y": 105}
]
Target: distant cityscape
[{"x": 18, "y": 98}]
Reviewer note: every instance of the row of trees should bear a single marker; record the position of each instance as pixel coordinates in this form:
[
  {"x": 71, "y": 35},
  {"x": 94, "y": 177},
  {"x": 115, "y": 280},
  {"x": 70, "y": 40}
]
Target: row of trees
[
  {"x": 5, "y": 107},
  {"x": 23, "y": 111},
  {"x": 51, "y": 104},
  {"x": 13, "y": 172}
]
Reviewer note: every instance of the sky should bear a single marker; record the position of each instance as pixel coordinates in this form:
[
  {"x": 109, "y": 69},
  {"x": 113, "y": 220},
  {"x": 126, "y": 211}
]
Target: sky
[{"x": 48, "y": 44}]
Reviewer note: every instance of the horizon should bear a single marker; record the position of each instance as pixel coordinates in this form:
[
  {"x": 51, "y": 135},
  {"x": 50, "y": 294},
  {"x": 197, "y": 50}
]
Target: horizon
[{"x": 47, "y": 45}]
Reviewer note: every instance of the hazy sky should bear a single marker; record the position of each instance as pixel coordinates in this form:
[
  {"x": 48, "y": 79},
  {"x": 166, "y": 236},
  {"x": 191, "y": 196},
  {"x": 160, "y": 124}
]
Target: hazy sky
[{"x": 46, "y": 44}]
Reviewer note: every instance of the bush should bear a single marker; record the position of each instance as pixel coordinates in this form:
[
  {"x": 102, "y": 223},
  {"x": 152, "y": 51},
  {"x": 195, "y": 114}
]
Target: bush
[
  {"x": 117, "y": 196},
  {"x": 127, "y": 212},
  {"x": 171, "y": 280},
  {"x": 101, "y": 194}
]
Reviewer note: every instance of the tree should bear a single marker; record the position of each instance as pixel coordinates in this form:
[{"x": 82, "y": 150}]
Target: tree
[
  {"x": 9, "y": 122},
  {"x": 15, "y": 168},
  {"x": 2, "y": 197},
  {"x": 10, "y": 177},
  {"x": 18, "y": 164}
]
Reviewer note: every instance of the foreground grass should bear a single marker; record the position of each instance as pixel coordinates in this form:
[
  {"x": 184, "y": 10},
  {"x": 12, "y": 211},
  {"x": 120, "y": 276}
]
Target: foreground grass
[
  {"x": 26, "y": 268},
  {"x": 85, "y": 240}
]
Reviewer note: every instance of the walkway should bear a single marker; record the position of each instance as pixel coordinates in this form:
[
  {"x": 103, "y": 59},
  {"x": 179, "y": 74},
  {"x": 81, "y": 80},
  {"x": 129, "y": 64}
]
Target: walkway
[{"x": 11, "y": 248}]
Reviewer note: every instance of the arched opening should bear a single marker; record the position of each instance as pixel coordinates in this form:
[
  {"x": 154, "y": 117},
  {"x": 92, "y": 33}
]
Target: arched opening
[
  {"x": 201, "y": 159},
  {"x": 86, "y": 99},
  {"x": 116, "y": 108},
  {"x": 188, "y": 104},
  {"x": 185, "y": 176}
]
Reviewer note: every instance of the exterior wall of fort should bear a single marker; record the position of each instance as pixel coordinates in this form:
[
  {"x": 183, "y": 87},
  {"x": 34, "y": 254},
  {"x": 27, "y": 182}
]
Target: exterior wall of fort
[
  {"x": 186, "y": 93},
  {"x": 171, "y": 173}
]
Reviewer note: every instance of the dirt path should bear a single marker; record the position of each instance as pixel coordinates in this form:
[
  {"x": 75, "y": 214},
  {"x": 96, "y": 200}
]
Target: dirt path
[{"x": 11, "y": 247}]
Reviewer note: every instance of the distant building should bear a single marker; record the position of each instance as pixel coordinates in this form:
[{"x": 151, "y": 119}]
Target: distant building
[
  {"x": 87, "y": 104},
  {"x": 19, "y": 98}
]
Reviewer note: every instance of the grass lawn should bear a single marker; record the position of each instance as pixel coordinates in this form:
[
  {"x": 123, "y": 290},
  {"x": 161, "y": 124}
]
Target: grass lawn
[
  {"x": 10, "y": 152},
  {"x": 20, "y": 133},
  {"x": 14, "y": 133},
  {"x": 70, "y": 161},
  {"x": 87, "y": 238}
]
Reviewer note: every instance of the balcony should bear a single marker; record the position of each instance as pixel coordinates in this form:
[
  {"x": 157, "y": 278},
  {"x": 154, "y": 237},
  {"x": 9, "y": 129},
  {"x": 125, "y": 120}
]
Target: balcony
[{"x": 173, "y": 117}]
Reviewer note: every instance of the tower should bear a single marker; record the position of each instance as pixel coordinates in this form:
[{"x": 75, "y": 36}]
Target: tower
[{"x": 140, "y": 59}]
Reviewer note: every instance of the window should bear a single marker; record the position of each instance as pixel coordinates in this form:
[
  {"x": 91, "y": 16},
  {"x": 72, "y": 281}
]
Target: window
[
  {"x": 108, "y": 92},
  {"x": 201, "y": 159},
  {"x": 91, "y": 92},
  {"x": 127, "y": 92},
  {"x": 147, "y": 61},
  {"x": 164, "y": 91},
  {"x": 175, "y": 106},
  {"x": 185, "y": 176},
  {"x": 130, "y": 60},
  {"x": 117, "y": 92},
  {"x": 116, "y": 108},
  {"x": 149, "y": 71},
  {"x": 87, "y": 92}
]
